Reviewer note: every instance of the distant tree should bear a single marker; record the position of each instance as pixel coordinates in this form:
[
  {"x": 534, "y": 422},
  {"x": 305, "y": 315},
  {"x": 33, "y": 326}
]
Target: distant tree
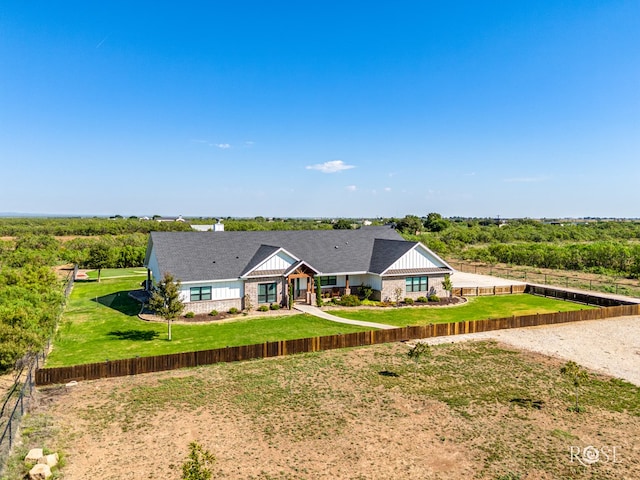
[
  {"x": 409, "y": 224},
  {"x": 165, "y": 300},
  {"x": 435, "y": 223},
  {"x": 99, "y": 257},
  {"x": 342, "y": 224}
]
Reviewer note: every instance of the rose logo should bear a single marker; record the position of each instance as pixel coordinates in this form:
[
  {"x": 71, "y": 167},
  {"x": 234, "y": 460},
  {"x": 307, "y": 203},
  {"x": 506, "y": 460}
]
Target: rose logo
[{"x": 590, "y": 455}]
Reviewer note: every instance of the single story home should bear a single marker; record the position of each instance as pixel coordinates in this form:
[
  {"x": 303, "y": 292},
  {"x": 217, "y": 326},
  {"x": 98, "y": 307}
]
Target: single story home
[{"x": 220, "y": 270}]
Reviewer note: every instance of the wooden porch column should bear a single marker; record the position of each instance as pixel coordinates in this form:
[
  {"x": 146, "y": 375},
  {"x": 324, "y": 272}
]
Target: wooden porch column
[{"x": 347, "y": 289}]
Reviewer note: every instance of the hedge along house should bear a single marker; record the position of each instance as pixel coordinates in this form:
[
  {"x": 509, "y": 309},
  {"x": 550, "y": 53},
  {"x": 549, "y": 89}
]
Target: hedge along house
[{"x": 220, "y": 270}]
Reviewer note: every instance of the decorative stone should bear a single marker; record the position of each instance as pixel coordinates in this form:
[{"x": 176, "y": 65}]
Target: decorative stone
[
  {"x": 51, "y": 460},
  {"x": 34, "y": 455},
  {"x": 40, "y": 472},
  {"x": 72, "y": 383}
]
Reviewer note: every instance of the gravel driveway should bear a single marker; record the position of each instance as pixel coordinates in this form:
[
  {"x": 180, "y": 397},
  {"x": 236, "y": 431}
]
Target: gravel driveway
[{"x": 609, "y": 346}]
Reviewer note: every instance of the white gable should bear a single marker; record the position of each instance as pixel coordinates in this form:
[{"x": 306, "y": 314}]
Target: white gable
[
  {"x": 280, "y": 261},
  {"x": 417, "y": 257}
]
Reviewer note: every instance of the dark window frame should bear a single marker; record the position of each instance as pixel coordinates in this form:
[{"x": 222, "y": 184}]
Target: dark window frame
[
  {"x": 199, "y": 294},
  {"x": 329, "y": 281},
  {"x": 416, "y": 284},
  {"x": 268, "y": 296}
]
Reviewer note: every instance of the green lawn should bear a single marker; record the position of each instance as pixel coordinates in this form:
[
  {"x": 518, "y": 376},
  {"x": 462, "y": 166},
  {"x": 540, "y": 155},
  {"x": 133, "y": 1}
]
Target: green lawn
[
  {"x": 100, "y": 322},
  {"x": 477, "y": 308}
]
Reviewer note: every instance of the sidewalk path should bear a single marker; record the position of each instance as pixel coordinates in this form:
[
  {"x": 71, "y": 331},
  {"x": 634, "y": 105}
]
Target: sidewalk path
[{"x": 316, "y": 312}]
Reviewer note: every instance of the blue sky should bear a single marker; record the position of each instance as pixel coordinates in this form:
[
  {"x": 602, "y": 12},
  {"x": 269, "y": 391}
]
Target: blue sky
[{"x": 333, "y": 109}]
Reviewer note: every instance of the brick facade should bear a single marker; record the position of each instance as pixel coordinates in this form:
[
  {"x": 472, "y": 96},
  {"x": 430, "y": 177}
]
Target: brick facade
[
  {"x": 251, "y": 289},
  {"x": 206, "y": 306},
  {"x": 389, "y": 286}
]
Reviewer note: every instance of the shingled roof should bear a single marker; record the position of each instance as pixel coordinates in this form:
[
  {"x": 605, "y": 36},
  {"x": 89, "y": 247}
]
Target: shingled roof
[{"x": 204, "y": 256}]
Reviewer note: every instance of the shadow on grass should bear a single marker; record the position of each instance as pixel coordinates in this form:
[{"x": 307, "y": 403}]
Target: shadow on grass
[
  {"x": 120, "y": 301},
  {"x": 144, "y": 335}
]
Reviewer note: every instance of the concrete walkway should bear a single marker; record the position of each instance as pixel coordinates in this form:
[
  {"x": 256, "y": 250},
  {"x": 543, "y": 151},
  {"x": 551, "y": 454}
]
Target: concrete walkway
[{"x": 316, "y": 312}]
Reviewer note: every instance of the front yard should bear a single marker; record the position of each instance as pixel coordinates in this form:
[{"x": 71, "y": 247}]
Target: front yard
[
  {"x": 476, "y": 308},
  {"x": 101, "y": 322}
]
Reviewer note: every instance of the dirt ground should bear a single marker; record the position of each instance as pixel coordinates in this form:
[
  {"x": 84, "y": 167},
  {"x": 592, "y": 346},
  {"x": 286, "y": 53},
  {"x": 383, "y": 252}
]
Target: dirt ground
[{"x": 364, "y": 413}]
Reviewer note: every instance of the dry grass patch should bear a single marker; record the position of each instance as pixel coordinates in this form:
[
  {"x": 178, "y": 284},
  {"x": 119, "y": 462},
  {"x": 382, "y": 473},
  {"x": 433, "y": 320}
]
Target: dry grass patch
[{"x": 364, "y": 413}]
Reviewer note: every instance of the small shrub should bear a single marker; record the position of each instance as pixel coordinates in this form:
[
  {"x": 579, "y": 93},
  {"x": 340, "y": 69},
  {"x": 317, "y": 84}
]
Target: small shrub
[
  {"x": 350, "y": 301},
  {"x": 274, "y": 306},
  {"x": 408, "y": 301},
  {"x": 263, "y": 308},
  {"x": 189, "y": 315},
  {"x": 366, "y": 291},
  {"x": 434, "y": 298},
  {"x": 198, "y": 464},
  {"x": 233, "y": 310},
  {"x": 421, "y": 300},
  {"x": 213, "y": 313},
  {"x": 370, "y": 303}
]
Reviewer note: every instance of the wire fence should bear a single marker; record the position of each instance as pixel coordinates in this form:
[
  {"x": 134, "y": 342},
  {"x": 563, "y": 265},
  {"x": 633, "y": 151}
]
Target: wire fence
[
  {"x": 19, "y": 397},
  {"x": 579, "y": 280}
]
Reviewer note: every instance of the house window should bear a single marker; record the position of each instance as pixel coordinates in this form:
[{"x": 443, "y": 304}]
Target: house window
[
  {"x": 267, "y": 292},
  {"x": 416, "y": 284},
  {"x": 328, "y": 281},
  {"x": 200, "y": 293}
]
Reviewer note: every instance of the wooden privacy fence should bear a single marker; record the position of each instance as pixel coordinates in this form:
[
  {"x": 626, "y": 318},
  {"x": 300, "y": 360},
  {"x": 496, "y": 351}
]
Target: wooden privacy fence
[
  {"x": 480, "y": 291},
  {"x": 134, "y": 366},
  {"x": 587, "y": 298}
]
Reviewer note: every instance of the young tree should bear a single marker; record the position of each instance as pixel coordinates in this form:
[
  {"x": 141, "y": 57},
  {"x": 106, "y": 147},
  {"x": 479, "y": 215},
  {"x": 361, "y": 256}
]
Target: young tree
[
  {"x": 198, "y": 464},
  {"x": 418, "y": 351},
  {"x": 447, "y": 285},
  {"x": 577, "y": 375},
  {"x": 397, "y": 292},
  {"x": 318, "y": 292},
  {"x": 99, "y": 257},
  {"x": 165, "y": 300}
]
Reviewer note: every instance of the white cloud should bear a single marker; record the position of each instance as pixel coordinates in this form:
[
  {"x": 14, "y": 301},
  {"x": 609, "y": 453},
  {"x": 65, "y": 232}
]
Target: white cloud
[
  {"x": 332, "y": 166},
  {"x": 387, "y": 189},
  {"x": 351, "y": 188},
  {"x": 249, "y": 143},
  {"x": 223, "y": 146}
]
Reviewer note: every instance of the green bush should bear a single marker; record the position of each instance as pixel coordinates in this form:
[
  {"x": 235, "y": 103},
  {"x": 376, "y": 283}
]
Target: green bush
[
  {"x": 263, "y": 308},
  {"x": 233, "y": 310},
  {"x": 189, "y": 315},
  {"x": 422, "y": 300},
  {"x": 434, "y": 298},
  {"x": 274, "y": 306},
  {"x": 366, "y": 291},
  {"x": 408, "y": 301},
  {"x": 213, "y": 313},
  {"x": 350, "y": 301}
]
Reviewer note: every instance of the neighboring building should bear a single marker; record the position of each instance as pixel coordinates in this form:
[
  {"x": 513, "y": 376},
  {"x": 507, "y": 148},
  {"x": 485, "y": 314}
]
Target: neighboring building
[
  {"x": 217, "y": 269},
  {"x": 217, "y": 227},
  {"x": 170, "y": 219}
]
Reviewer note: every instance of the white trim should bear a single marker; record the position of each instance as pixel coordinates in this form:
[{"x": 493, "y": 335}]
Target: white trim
[
  {"x": 280, "y": 249},
  {"x": 211, "y": 281},
  {"x": 428, "y": 251},
  {"x": 298, "y": 264},
  {"x": 328, "y": 274}
]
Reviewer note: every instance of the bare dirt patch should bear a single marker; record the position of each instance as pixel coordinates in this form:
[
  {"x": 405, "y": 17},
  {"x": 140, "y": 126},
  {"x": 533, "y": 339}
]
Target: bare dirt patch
[{"x": 335, "y": 415}]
